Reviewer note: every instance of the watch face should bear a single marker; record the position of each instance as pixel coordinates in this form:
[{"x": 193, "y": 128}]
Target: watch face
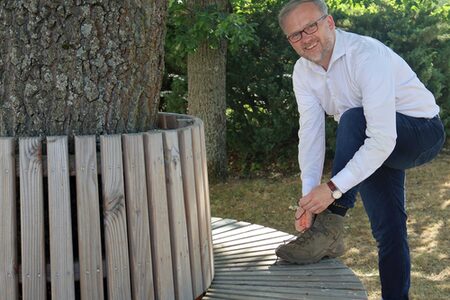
[{"x": 337, "y": 194}]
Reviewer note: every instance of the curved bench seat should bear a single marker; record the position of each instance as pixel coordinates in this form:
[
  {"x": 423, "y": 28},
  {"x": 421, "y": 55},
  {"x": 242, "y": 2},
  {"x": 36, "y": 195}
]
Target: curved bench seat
[{"x": 246, "y": 268}]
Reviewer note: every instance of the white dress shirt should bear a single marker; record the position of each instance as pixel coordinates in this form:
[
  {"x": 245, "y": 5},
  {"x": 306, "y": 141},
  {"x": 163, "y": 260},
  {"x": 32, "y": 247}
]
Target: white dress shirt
[{"x": 365, "y": 73}]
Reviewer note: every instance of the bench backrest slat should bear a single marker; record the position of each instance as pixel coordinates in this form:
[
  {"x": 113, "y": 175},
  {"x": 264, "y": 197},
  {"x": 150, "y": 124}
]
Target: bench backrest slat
[
  {"x": 201, "y": 206},
  {"x": 159, "y": 216},
  {"x": 32, "y": 219},
  {"x": 114, "y": 218},
  {"x": 203, "y": 158},
  {"x": 177, "y": 217},
  {"x": 137, "y": 217},
  {"x": 190, "y": 201},
  {"x": 60, "y": 223},
  {"x": 88, "y": 215},
  {"x": 8, "y": 235}
]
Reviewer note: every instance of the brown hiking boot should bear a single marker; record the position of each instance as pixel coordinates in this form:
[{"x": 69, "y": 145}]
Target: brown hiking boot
[{"x": 323, "y": 239}]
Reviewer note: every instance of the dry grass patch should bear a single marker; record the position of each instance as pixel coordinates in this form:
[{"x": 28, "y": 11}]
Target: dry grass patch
[{"x": 267, "y": 201}]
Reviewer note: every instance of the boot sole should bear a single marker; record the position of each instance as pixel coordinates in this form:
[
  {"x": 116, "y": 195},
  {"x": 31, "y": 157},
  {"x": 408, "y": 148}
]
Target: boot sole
[{"x": 328, "y": 253}]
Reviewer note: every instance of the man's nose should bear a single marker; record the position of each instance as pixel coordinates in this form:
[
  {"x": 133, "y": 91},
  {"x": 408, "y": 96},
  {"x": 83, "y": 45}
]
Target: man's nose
[{"x": 307, "y": 38}]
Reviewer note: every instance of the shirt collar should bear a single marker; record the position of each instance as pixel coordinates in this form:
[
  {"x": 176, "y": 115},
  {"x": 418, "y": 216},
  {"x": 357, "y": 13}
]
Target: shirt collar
[{"x": 339, "y": 47}]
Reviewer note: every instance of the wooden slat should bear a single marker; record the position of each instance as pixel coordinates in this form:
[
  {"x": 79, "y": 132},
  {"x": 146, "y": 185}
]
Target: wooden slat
[
  {"x": 201, "y": 206},
  {"x": 60, "y": 223},
  {"x": 137, "y": 214},
  {"x": 167, "y": 121},
  {"x": 114, "y": 218},
  {"x": 207, "y": 202},
  {"x": 225, "y": 232},
  {"x": 177, "y": 217},
  {"x": 239, "y": 235},
  {"x": 332, "y": 282},
  {"x": 32, "y": 219},
  {"x": 250, "y": 245},
  {"x": 88, "y": 212},
  {"x": 190, "y": 200},
  {"x": 8, "y": 221},
  {"x": 159, "y": 216},
  {"x": 215, "y": 219},
  {"x": 221, "y": 223}
]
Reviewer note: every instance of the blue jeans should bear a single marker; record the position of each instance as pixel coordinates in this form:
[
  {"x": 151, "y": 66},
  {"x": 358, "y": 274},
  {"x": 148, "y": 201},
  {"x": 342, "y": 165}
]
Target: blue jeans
[{"x": 419, "y": 140}]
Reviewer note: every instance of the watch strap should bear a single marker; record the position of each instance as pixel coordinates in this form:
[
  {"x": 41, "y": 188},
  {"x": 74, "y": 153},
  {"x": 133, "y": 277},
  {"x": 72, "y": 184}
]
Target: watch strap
[{"x": 332, "y": 186}]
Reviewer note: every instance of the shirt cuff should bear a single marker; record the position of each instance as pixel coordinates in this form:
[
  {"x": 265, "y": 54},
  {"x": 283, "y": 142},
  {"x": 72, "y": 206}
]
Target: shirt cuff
[
  {"x": 308, "y": 185},
  {"x": 344, "y": 180}
]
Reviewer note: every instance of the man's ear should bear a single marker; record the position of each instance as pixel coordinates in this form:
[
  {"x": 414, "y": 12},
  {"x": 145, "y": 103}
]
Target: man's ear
[{"x": 330, "y": 22}]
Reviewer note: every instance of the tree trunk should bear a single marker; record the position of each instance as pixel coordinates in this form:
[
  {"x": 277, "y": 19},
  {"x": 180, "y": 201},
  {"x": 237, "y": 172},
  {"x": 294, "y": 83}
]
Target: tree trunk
[
  {"x": 80, "y": 67},
  {"x": 206, "y": 70}
]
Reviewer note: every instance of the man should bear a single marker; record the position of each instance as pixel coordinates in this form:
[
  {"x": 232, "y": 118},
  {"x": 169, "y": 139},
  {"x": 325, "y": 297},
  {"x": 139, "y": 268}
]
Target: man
[{"x": 387, "y": 122}]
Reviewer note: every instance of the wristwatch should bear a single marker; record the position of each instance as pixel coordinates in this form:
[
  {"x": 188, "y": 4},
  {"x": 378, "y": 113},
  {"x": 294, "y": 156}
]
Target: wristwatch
[{"x": 335, "y": 192}]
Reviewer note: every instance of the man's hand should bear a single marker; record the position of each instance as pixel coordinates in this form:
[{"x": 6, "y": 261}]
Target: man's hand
[
  {"x": 317, "y": 200},
  {"x": 303, "y": 219}
]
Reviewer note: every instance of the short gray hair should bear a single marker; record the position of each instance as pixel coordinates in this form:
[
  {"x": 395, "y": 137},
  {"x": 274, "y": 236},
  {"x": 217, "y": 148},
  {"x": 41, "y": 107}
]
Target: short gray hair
[{"x": 291, "y": 5}]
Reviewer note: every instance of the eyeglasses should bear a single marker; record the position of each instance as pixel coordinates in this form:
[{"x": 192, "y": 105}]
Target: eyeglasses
[{"x": 309, "y": 29}]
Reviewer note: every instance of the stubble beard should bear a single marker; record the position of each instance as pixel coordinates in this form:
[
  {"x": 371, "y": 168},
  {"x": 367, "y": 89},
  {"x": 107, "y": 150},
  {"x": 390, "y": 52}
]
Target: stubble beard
[{"x": 318, "y": 58}]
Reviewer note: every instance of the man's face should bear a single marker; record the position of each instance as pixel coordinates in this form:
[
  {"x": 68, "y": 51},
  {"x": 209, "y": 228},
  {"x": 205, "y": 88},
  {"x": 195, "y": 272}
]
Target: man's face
[{"x": 318, "y": 46}]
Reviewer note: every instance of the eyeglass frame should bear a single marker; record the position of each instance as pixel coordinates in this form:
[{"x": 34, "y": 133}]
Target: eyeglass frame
[{"x": 300, "y": 32}]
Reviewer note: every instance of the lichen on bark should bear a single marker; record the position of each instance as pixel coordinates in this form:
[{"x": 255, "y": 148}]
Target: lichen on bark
[{"x": 80, "y": 67}]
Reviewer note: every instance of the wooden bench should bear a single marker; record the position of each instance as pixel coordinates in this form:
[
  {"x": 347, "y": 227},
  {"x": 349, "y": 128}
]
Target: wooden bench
[
  {"x": 246, "y": 268},
  {"x": 128, "y": 217},
  {"x": 143, "y": 232}
]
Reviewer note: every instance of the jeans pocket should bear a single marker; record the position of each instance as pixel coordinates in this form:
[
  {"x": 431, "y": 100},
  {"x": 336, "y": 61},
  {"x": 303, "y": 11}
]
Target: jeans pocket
[{"x": 429, "y": 154}]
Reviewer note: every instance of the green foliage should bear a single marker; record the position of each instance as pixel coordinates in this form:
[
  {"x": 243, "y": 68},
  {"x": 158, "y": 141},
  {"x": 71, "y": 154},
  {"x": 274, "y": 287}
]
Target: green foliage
[
  {"x": 262, "y": 116},
  {"x": 262, "y": 113},
  {"x": 191, "y": 25},
  {"x": 417, "y": 30},
  {"x": 175, "y": 99},
  {"x": 188, "y": 27}
]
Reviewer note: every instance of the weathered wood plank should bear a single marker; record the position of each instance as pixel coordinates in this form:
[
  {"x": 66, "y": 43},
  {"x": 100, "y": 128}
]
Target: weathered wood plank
[
  {"x": 207, "y": 202},
  {"x": 114, "y": 218},
  {"x": 250, "y": 244},
  {"x": 215, "y": 219},
  {"x": 221, "y": 223},
  {"x": 332, "y": 282},
  {"x": 32, "y": 219},
  {"x": 223, "y": 251},
  {"x": 218, "y": 294},
  {"x": 232, "y": 230},
  {"x": 201, "y": 206},
  {"x": 88, "y": 214},
  {"x": 8, "y": 221},
  {"x": 294, "y": 290},
  {"x": 275, "y": 270},
  {"x": 137, "y": 214},
  {"x": 60, "y": 220},
  {"x": 261, "y": 233},
  {"x": 159, "y": 216},
  {"x": 177, "y": 217},
  {"x": 190, "y": 201}
]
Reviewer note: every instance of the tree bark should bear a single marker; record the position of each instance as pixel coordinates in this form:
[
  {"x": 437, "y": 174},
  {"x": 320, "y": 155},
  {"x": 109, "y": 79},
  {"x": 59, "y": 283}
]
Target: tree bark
[
  {"x": 80, "y": 67},
  {"x": 206, "y": 71}
]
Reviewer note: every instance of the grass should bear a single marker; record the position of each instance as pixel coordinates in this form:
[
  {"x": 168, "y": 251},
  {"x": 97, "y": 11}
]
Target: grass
[{"x": 268, "y": 201}]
